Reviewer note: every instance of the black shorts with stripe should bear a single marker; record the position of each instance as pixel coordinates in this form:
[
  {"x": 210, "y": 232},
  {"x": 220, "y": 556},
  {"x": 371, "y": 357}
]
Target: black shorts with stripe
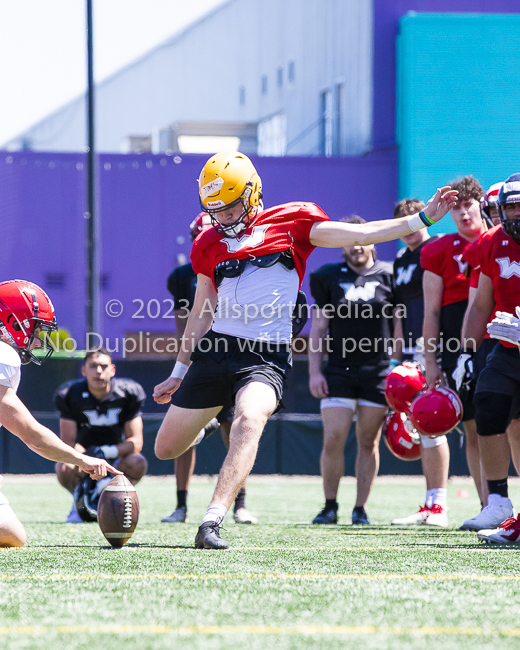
[{"x": 223, "y": 364}]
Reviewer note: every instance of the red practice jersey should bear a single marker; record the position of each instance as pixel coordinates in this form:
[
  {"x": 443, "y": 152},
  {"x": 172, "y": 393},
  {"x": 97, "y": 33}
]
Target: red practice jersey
[
  {"x": 500, "y": 260},
  {"x": 444, "y": 257},
  {"x": 275, "y": 230},
  {"x": 471, "y": 257}
]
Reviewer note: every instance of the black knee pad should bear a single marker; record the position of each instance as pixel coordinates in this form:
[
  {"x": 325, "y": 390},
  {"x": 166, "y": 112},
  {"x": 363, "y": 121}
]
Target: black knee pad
[{"x": 492, "y": 412}]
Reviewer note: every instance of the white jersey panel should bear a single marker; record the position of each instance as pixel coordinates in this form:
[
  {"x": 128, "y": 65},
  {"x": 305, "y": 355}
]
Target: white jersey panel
[
  {"x": 258, "y": 304},
  {"x": 10, "y": 365}
]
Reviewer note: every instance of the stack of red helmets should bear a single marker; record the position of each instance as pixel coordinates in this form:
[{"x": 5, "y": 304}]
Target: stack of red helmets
[
  {"x": 431, "y": 411},
  {"x": 403, "y": 384}
]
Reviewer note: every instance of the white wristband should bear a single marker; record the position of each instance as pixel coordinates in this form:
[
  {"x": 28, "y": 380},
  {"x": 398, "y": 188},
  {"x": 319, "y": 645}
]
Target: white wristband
[
  {"x": 415, "y": 223},
  {"x": 110, "y": 451},
  {"x": 179, "y": 370}
]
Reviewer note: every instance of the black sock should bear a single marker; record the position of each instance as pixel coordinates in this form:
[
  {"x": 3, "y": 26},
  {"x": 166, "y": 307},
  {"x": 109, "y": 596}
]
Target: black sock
[
  {"x": 331, "y": 503},
  {"x": 498, "y": 487},
  {"x": 182, "y": 496},
  {"x": 240, "y": 500},
  {"x": 359, "y": 510}
]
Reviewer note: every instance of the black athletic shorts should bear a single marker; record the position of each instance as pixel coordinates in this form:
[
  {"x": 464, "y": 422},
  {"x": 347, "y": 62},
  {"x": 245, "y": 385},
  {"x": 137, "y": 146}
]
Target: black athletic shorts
[
  {"x": 223, "y": 364},
  {"x": 497, "y": 395},
  {"x": 226, "y": 415},
  {"x": 358, "y": 382}
]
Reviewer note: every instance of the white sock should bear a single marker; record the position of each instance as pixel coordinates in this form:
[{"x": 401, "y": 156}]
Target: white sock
[
  {"x": 438, "y": 496},
  {"x": 429, "y": 499},
  {"x": 216, "y": 512}
]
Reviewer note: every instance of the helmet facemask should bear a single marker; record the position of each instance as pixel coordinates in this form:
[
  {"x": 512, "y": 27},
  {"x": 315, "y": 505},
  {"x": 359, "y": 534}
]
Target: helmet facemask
[
  {"x": 45, "y": 343},
  {"x": 244, "y": 220}
]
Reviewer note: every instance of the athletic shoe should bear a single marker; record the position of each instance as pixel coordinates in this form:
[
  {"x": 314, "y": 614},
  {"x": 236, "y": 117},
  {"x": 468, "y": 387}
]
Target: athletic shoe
[
  {"x": 326, "y": 516},
  {"x": 417, "y": 518},
  {"x": 208, "y": 536},
  {"x": 437, "y": 516},
  {"x": 491, "y": 516},
  {"x": 360, "y": 518},
  {"x": 73, "y": 516},
  {"x": 507, "y": 533},
  {"x": 243, "y": 516},
  {"x": 178, "y": 516}
]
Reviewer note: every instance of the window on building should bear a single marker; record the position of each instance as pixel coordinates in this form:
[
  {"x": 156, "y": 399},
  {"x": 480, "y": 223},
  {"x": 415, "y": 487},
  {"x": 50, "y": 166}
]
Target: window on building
[
  {"x": 326, "y": 139},
  {"x": 338, "y": 118},
  {"x": 264, "y": 84},
  {"x": 279, "y": 77},
  {"x": 272, "y": 136},
  {"x": 290, "y": 71}
]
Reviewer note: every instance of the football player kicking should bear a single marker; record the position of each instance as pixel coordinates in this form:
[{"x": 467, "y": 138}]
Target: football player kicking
[
  {"x": 253, "y": 261},
  {"x": 26, "y": 312},
  {"x": 497, "y": 393},
  {"x": 99, "y": 415},
  {"x": 182, "y": 283}
]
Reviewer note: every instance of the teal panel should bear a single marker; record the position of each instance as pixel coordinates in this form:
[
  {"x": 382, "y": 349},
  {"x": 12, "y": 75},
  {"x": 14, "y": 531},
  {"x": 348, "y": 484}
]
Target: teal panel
[{"x": 458, "y": 100}]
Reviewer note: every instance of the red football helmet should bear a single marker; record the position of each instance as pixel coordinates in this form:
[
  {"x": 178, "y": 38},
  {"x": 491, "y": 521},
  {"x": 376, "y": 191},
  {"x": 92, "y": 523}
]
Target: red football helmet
[
  {"x": 489, "y": 200},
  {"x": 402, "y": 385},
  {"x": 436, "y": 411},
  {"x": 24, "y": 307},
  {"x": 401, "y": 438},
  {"x": 199, "y": 224}
]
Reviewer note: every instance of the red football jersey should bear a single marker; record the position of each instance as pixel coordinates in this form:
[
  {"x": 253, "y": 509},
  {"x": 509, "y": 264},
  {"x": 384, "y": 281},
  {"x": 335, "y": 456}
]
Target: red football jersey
[
  {"x": 500, "y": 260},
  {"x": 471, "y": 257},
  {"x": 274, "y": 230},
  {"x": 444, "y": 257}
]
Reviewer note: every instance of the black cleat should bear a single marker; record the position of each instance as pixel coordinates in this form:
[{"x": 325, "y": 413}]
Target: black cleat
[
  {"x": 326, "y": 516},
  {"x": 208, "y": 536},
  {"x": 360, "y": 517}
]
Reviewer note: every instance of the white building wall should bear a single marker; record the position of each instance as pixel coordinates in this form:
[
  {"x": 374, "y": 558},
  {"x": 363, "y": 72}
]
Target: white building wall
[{"x": 197, "y": 75}]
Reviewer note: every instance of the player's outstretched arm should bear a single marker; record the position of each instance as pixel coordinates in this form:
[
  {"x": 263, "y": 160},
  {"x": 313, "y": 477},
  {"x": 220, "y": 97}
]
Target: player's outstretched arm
[
  {"x": 17, "y": 419},
  {"x": 198, "y": 323},
  {"x": 334, "y": 234}
]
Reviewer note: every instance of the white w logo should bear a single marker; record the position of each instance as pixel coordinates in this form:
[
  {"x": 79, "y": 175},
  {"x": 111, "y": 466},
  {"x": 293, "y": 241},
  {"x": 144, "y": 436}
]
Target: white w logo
[
  {"x": 462, "y": 265},
  {"x": 364, "y": 294},
  {"x": 404, "y": 275},
  {"x": 108, "y": 420},
  {"x": 256, "y": 238},
  {"x": 508, "y": 268}
]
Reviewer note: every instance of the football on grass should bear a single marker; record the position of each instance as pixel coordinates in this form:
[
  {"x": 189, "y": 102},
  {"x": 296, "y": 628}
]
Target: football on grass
[{"x": 118, "y": 511}]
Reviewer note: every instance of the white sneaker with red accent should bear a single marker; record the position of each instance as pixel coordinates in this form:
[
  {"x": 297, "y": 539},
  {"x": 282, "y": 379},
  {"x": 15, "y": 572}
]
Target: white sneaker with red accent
[
  {"x": 416, "y": 519},
  {"x": 507, "y": 533},
  {"x": 497, "y": 510},
  {"x": 437, "y": 516}
]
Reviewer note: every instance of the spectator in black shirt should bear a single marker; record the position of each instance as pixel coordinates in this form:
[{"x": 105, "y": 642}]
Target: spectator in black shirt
[{"x": 352, "y": 323}]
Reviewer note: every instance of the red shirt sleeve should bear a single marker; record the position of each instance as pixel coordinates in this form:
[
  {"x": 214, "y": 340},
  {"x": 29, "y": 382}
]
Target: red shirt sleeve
[{"x": 430, "y": 258}]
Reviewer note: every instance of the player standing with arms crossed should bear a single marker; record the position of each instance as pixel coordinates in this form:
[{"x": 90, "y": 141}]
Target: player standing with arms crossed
[
  {"x": 26, "y": 312},
  {"x": 253, "y": 261}
]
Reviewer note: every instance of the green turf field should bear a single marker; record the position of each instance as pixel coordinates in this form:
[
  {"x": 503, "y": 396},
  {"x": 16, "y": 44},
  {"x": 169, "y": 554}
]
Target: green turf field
[{"x": 282, "y": 584}]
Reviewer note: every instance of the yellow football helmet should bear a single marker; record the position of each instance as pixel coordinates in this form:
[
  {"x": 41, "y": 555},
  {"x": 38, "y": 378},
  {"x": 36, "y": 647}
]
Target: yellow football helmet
[{"x": 226, "y": 179}]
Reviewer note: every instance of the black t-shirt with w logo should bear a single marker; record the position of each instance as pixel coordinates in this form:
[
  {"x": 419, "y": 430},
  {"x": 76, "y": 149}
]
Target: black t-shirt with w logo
[{"x": 359, "y": 308}]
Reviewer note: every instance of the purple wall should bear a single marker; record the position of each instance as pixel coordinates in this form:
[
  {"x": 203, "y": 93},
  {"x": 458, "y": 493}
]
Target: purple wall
[
  {"x": 146, "y": 203},
  {"x": 386, "y": 26}
]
